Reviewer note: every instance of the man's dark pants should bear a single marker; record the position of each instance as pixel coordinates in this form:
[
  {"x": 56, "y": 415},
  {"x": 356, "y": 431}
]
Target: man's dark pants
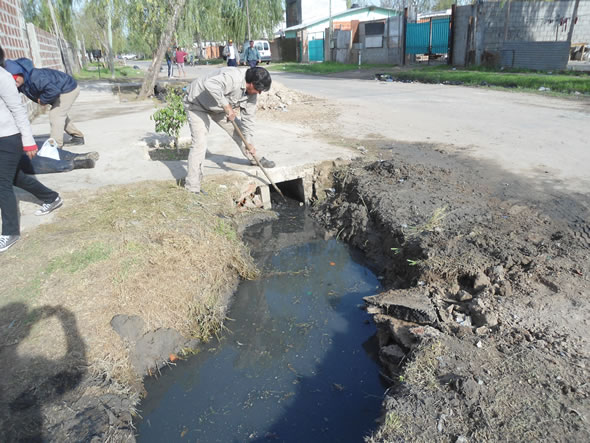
[
  {"x": 231, "y": 62},
  {"x": 253, "y": 63},
  {"x": 11, "y": 149},
  {"x": 45, "y": 165}
]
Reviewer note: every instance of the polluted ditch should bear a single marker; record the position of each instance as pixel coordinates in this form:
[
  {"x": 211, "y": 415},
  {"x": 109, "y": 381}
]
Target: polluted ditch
[{"x": 297, "y": 361}]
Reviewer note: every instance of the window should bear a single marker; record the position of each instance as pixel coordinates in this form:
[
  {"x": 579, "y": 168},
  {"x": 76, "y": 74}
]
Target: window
[{"x": 374, "y": 28}]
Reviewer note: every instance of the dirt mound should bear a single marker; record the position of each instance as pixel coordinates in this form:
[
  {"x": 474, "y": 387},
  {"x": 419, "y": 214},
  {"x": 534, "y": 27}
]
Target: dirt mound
[
  {"x": 482, "y": 325},
  {"x": 280, "y": 97}
]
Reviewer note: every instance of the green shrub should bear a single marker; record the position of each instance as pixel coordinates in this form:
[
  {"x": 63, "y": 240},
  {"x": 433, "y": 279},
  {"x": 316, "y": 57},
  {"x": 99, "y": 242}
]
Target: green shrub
[{"x": 172, "y": 117}]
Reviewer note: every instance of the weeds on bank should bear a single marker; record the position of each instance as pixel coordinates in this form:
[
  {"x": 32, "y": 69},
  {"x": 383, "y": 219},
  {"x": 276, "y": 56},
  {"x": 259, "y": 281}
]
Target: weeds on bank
[
  {"x": 564, "y": 82},
  {"x": 421, "y": 371},
  {"x": 431, "y": 225}
]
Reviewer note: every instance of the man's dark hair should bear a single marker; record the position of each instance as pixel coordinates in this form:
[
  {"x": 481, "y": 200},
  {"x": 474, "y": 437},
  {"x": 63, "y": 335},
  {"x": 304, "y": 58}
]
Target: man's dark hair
[
  {"x": 1, "y": 56},
  {"x": 260, "y": 78}
]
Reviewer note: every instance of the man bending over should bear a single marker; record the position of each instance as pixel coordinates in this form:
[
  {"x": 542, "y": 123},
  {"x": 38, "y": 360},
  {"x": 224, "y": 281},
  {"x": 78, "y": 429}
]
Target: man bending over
[{"x": 214, "y": 97}]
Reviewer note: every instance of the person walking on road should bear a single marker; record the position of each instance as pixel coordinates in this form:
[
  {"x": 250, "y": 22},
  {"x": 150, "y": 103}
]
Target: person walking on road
[
  {"x": 16, "y": 136},
  {"x": 214, "y": 97},
  {"x": 49, "y": 87},
  {"x": 231, "y": 55},
  {"x": 169, "y": 62},
  {"x": 180, "y": 55},
  {"x": 252, "y": 55}
]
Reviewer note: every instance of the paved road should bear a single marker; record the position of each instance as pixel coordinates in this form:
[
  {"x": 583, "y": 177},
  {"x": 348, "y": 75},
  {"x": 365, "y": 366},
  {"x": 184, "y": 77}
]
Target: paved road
[{"x": 542, "y": 137}]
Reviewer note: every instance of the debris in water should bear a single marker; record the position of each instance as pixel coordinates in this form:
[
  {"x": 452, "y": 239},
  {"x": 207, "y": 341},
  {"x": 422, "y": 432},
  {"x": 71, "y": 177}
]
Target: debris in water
[{"x": 337, "y": 387}]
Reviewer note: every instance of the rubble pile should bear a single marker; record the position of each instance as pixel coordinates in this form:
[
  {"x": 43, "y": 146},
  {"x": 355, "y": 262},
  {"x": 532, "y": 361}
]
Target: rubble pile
[{"x": 280, "y": 97}]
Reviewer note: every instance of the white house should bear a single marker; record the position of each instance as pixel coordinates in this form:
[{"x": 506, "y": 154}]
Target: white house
[{"x": 310, "y": 35}]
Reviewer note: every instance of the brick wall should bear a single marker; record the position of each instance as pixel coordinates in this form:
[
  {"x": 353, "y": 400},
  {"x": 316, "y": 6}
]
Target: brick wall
[
  {"x": 13, "y": 34},
  {"x": 26, "y": 40},
  {"x": 49, "y": 50}
]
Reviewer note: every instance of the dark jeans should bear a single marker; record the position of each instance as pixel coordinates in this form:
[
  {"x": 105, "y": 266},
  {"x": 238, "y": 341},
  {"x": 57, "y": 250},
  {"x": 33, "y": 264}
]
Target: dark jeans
[
  {"x": 11, "y": 149},
  {"x": 253, "y": 63},
  {"x": 44, "y": 165},
  {"x": 169, "y": 62},
  {"x": 231, "y": 62}
]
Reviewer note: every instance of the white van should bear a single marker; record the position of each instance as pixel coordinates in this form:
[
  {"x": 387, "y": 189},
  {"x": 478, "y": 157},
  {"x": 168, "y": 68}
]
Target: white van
[{"x": 263, "y": 47}]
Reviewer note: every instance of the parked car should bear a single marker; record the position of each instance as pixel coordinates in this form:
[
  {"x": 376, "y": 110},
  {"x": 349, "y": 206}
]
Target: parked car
[{"x": 129, "y": 56}]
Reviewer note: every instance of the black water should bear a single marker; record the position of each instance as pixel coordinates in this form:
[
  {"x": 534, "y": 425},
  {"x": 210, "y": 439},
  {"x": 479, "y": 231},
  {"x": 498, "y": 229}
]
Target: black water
[{"x": 298, "y": 363}]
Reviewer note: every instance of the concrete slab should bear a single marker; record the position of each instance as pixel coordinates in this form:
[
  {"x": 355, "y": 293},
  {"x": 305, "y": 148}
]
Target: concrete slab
[{"x": 120, "y": 132}]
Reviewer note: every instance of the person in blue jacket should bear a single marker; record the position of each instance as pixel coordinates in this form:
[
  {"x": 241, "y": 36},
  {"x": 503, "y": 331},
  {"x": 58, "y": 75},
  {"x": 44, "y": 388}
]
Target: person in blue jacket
[{"x": 49, "y": 87}]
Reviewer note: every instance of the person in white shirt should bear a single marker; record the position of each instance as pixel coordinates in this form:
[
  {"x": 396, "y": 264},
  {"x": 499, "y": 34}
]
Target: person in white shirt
[
  {"x": 231, "y": 54},
  {"x": 16, "y": 136}
]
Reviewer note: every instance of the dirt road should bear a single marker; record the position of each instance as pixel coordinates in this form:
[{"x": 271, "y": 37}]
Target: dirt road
[{"x": 541, "y": 138}]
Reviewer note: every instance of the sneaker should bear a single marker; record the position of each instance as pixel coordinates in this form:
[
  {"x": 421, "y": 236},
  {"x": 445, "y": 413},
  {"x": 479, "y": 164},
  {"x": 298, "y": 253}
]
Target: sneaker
[
  {"x": 265, "y": 163},
  {"x": 6, "y": 241},
  {"x": 50, "y": 207},
  {"x": 75, "y": 140}
]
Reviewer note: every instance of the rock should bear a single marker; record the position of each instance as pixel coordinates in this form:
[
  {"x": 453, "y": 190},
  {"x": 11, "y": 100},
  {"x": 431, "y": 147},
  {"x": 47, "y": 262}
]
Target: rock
[
  {"x": 498, "y": 272},
  {"x": 391, "y": 357},
  {"x": 129, "y": 327},
  {"x": 482, "y": 330},
  {"x": 421, "y": 332},
  {"x": 396, "y": 330},
  {"x": 481, "y": 281},
  {"x": 154, "y": 348},
  {"x": 504, "y": 289},
  {"x": 482, "y": 316},
  {"x": 464, "y": 295},
  {"x": 412, "y": 305}
]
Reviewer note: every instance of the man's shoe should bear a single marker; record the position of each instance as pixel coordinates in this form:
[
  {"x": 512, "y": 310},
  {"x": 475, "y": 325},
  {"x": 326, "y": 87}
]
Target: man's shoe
[
  {"x": 6, "y": 241},
  {"x": 75, "y": 140},
  {"x": 91, "y": 155},
  {"x": 265, "y": 163},
  {"x": 84, "y": 163},
  {"x": 50, "y": 207}
]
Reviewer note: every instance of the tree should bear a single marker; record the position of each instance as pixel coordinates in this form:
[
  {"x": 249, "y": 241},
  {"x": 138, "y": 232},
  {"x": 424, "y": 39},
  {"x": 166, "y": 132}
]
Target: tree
[
  {"x": 150, "y": 78},
  {"x": 93, "y": 21},
  {"x": 37, "y": 12}
]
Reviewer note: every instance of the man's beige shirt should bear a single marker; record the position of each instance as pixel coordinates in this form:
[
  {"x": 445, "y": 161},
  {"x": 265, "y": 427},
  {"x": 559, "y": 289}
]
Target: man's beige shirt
[{"x": 221, "y": 87}]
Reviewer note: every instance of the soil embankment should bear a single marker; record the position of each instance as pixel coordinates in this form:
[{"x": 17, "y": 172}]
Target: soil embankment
[{"x": 483, "y": 328}]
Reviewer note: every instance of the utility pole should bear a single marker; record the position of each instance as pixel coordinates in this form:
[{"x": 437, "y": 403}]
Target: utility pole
[
  {"x": 574, "y": 15},
  {"x": 330, "y": 25},
  {"x": 248, "y": 16}
]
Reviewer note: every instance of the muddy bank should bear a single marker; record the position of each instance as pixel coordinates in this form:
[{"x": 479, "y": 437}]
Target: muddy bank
[{"x": 483, "y": 327}]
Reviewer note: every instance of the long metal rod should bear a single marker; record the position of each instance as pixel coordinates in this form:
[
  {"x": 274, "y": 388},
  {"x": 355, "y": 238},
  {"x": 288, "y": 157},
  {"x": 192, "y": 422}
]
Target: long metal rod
[{"x": 248, "y": 146}]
